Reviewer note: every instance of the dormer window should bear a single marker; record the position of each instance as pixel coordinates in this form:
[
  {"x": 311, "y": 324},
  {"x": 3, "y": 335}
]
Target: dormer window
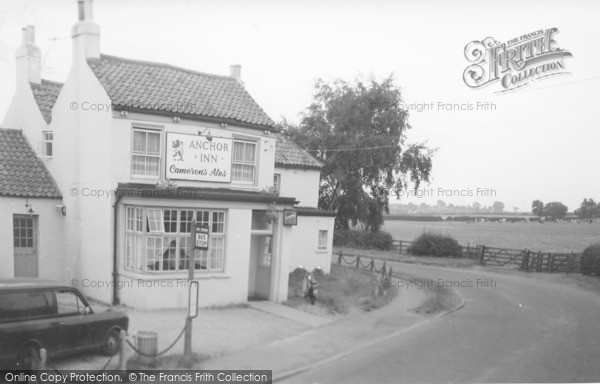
[
  {"x": 145, "y": 153},
  {"x": 47, "y": 141}
]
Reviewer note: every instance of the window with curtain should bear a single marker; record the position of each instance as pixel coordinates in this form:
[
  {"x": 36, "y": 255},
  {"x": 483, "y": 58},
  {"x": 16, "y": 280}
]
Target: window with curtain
[
  {"x": 145, "y": 153},
  {"x": 243, "y": 167}
]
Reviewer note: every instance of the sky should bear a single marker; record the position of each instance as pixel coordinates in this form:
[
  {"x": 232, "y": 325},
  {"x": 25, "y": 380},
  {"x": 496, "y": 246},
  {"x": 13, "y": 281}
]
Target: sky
[{"x": 535, "y": 142}]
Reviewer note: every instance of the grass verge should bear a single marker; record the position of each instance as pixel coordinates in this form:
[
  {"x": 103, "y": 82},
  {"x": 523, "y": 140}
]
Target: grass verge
[{"x": 342, "y": 291}]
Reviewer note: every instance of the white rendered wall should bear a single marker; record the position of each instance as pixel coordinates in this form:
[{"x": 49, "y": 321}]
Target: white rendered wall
[
  {"x": 50, "y": 247},
  {"x": 305, "y": 237},
  {"x": 303, "y": 184}
]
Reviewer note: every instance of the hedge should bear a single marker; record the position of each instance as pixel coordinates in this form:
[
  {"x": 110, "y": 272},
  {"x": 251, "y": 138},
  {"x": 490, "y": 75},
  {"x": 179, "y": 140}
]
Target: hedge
[{"x": 363, "y": 239}]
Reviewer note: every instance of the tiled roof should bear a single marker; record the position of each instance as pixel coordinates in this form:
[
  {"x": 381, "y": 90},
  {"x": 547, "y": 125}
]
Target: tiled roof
[
  {"x": 45, "y": 95},
  {"x": 146, "y": 86},
  {"x": 22, "y": 173},
  {"x": 290, "y": 154}
]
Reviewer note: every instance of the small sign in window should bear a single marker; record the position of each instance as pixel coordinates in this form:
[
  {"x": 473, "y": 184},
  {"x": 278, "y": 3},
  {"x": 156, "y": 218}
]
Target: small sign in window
[{"x": 202, "y": 236}]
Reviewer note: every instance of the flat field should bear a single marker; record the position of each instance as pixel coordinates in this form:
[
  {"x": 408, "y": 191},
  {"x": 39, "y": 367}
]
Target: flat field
[{"x": 547, "y": 237}]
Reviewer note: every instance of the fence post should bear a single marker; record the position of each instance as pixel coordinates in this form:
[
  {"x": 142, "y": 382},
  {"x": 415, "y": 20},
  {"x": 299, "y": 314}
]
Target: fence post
[
  {"x": 357, "y": 261},
  {"x": 340, "y": 258},
  {"x": 525, "y": 262},
  {"x": 377, "y": 290},
  {"x": 43, "y": 358},
  {"x": 390, "y": 274},
  {"x": 400, "y": 247},
  {"x": 571, "y": 263},
  {"x": 123, "y": 341},
  {"x": 383, "y": 268},
  {"x": 481, "y": 255},
  {"x": 538, "y": 267},
  {"x": 372, "y": 264},
  {"x": 550, "y": 265}
]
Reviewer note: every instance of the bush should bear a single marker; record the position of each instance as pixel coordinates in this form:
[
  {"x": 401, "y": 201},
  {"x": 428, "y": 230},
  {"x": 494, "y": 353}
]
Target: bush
[
  {"x": 590, "y": 261},
  {"x": 381, "y": 240},
  {"x": 363, "y": 239},
  {"x": 433, "y": 244}
]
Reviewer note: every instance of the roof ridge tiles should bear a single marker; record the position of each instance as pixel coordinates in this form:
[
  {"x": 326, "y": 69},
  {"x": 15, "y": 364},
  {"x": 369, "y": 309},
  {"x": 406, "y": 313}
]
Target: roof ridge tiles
[{"x": 156, "y": 63}]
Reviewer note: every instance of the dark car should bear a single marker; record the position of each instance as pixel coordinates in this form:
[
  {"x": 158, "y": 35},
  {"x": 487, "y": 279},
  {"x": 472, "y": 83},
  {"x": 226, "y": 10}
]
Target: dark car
[{"x": 35, "y": 315}]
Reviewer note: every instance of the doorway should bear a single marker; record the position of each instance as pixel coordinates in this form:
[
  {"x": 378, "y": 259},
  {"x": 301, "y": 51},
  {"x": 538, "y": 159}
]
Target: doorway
[
  {"x": 25, "y": 245},
  {"x": 261, "y": 257}
]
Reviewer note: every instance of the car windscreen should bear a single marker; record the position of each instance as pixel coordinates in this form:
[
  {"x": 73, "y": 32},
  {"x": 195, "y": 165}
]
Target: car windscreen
[{"x": 25, "y": 304}]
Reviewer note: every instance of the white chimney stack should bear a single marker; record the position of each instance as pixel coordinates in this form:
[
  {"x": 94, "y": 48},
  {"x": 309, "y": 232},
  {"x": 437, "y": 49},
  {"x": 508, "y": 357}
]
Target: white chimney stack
[
  {"x": 29, "y": 58},
  {"x": 235, "y": 71},
  {"x": 86, "y": 33}
]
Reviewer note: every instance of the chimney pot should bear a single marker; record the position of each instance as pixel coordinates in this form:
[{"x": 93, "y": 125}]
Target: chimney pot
[
  {"x": 30, "y": 34},
  {"x": 86, "y": 10}
]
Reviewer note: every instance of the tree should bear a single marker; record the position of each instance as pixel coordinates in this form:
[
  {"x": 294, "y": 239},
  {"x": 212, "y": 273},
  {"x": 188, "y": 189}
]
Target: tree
[
  {"x": 588, "y": 209},
  {"x": 476, "y": 206},
  {"x": 537, "y": 208},
  {"x": 555, "y": 210},
  {"x": 498, "y": 206},
  {"x": 363, "y": 148}
]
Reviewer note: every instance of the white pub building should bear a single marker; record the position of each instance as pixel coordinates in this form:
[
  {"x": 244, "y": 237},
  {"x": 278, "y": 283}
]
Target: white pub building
[{"x": 101, "y": 176}]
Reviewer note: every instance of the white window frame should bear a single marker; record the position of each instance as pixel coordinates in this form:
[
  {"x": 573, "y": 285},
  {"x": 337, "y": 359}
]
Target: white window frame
[
  {"x": 134, "y": 228},
  {"x": 156, "y": 220},
  {"x": 320, "y": 245},
  {"x": 47, "y": 141},
  {"x": 267, "y": 254},
  {"x": 277, "y": 182},
  {"x": 146, "y": 131},
  {"x": 243, "y": 163},
  {"x": 139, "y": 236}
]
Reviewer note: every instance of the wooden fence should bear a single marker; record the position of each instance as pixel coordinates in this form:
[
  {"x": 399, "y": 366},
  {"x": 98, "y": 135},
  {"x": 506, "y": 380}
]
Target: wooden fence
[
  {"x": 402, "y": 246},
  {"x": 523, "y": 259}
]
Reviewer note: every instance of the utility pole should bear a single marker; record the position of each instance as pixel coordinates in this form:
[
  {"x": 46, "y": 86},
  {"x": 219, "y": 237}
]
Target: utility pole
[{"x": 187, "y": 345}]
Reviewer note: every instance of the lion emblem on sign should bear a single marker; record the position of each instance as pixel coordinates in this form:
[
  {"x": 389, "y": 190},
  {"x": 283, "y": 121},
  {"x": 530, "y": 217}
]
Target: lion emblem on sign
[{"x": 177, "y": 148}]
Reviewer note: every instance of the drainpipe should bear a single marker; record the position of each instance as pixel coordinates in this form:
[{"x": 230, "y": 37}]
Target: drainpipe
[{"x": 115, "y": 274}]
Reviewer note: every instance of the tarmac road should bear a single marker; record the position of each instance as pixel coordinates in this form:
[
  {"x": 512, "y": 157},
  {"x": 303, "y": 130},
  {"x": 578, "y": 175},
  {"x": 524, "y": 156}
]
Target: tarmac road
[{"x": 512, "y": 329}]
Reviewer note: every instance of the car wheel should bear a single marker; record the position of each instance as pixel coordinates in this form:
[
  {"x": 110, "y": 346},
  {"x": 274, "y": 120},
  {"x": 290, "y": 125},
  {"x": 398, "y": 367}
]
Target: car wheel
[
  {"x": 29, "y": 359},
  {"x": 112, "y": 343}
]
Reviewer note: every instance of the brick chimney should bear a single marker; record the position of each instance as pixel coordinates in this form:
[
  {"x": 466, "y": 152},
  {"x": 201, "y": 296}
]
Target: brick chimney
[
  {"x": 28, "y": 55},
  {"x": 86, "y": 33}
]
